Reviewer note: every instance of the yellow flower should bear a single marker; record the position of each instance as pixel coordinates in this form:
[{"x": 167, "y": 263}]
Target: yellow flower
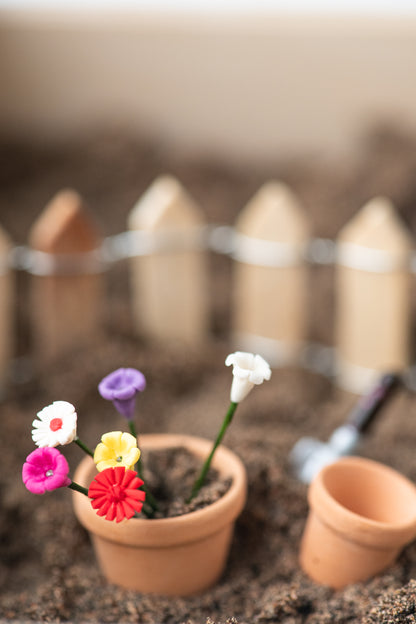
[{"x": 116, "y": 449}]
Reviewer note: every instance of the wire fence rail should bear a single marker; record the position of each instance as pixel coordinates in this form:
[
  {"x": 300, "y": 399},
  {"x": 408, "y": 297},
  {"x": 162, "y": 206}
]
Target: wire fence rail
[
  {"x": 220, "y": 239},
  {"x": 271, "y": 250}
]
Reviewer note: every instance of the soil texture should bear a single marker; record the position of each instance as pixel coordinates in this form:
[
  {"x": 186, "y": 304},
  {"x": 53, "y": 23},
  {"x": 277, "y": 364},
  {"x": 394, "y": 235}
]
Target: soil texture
[{"x": 47, "y": 568}]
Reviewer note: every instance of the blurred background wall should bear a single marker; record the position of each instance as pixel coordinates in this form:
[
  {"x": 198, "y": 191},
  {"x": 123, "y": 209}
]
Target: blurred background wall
[{"x": 246, "y": 83}]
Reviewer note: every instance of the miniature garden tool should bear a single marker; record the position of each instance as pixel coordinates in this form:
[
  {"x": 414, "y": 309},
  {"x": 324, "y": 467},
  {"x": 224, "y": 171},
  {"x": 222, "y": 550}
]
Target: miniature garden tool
[{"x": 310, "y": 455}]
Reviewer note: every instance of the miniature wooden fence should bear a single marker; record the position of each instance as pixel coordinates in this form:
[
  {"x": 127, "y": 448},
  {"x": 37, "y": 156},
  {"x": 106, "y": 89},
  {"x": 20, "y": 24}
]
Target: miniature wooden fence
[{"x": 167, "y": 245}]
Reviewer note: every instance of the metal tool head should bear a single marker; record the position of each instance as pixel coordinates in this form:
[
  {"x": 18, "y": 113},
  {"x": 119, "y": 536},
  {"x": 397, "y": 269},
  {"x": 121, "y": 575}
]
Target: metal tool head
[{"x": 309, "y": 455}]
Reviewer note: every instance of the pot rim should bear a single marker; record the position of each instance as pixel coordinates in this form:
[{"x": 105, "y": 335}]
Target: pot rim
[
  {"x": 360, "y": 528},
  {"x": 162, "y": 532}
]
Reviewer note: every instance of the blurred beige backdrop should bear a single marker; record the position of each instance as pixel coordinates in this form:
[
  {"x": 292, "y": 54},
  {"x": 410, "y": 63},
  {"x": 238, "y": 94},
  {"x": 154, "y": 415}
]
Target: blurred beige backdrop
[{"x": 239, "y": 86}]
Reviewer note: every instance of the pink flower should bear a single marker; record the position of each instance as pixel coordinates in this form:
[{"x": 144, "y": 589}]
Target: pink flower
[
  {"x": 115, "y": 494},
  {"x": 45, "y": 469}
]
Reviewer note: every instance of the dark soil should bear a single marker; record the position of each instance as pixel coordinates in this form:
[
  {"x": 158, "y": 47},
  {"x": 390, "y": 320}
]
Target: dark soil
[
  {"x": 170, "y": 475},
  {"x": 47, "y": 568}
]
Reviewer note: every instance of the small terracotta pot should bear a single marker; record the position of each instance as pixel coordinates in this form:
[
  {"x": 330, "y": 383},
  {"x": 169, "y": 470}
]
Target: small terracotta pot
[
  {"x": 172, "y": 556},
  {"x": 362, "y": 513}
]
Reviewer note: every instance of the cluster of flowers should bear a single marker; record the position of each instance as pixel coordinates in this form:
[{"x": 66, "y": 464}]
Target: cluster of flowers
[{"x": 118, "y": 490}]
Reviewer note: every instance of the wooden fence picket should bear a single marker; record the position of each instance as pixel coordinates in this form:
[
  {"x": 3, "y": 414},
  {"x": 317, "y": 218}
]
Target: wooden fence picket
[
  {"x": 167, "y": 246},
  {"x": 270, "y": 275},
  {"x": 170, "y": 283},
  {"x": 66, "y": 300},
  {"x": 6, "y": 309},
  {"x": 373, "y": 292}
]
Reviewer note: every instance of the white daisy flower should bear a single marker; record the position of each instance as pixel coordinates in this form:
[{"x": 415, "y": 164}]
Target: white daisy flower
[
  {"x": 56, "y": 424},
  {"x": 248, "y": 370}
]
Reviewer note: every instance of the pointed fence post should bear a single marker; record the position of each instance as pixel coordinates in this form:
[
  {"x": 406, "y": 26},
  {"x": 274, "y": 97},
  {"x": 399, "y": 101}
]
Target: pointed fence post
[
  {"x": 66, "y": 300},
  {"x": 170, "y": 280},
  {"x": 373, "y": 291},
  {"x": 270, "y": 275},
  {"x": 6, "y": 309}
]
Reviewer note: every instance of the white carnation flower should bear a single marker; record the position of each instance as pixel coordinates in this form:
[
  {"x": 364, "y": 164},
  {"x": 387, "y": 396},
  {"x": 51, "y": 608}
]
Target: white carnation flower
[
  {"x": 56, "y": 424},
  {"x": 248, "y": 370}
]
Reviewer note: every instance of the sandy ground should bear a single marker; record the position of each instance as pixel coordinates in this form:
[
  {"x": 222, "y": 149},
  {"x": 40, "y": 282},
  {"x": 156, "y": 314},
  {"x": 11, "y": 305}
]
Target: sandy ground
[{"x": 47, "y": 567}]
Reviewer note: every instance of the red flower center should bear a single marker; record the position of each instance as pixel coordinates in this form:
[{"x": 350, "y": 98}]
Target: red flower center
[
  {"x": 55, "y": 424},
  {"x": 118, "y": 493}
]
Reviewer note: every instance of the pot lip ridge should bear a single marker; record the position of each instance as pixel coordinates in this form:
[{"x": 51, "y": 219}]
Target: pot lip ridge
[
  {"x": 343, "y": 520},
  {"x": 164, "y": 531}
]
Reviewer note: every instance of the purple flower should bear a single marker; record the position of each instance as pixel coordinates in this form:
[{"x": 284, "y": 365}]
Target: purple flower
[
  {"x": 121, "y": 387},
  {"x": 45, "y": 469}
]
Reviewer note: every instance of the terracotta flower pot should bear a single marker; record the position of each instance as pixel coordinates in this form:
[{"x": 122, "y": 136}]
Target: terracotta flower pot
[
  {"x": 173, "y": 556},
  {"x": 362, "y": 513}
]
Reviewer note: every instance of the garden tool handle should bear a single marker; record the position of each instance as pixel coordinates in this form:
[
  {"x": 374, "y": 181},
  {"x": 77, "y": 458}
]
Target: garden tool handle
[{"x": 363, "y": 414}]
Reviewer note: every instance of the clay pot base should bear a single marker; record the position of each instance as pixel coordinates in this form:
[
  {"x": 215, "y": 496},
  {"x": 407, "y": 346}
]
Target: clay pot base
[
  {"x": 178, "y": 556},
  {"x": 362, "y": 513}
]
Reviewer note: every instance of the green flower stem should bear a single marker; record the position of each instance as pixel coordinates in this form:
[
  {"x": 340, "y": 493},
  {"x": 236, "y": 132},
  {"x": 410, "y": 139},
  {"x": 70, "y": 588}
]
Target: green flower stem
[
  {"x": 150, "y": 499},
  {"x": 138, "y": 466},
  {"x": 148, "y": 511},
  {"x": 78, "y": 488},
  {"x": 226, "y": 422},
  {"x": 84, "y": 447}
]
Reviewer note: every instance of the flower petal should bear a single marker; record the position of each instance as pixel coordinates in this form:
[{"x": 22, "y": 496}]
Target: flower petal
[
  {"x": 44, "y": 434},
  {"x": 116, "y": 449},
  {"x": 45, "y": 469},
  {"x": 121, "y": 387},
  {"x": 131, "y": 458},
  {"x": 111, "y": 497},
  {"x": 248, "y": 370}
]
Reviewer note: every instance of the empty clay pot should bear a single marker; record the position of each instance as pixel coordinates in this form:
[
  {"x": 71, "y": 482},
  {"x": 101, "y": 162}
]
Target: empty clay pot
[
  {"x": 362, "y": 513},
  {"x": 173, "y": 556}
]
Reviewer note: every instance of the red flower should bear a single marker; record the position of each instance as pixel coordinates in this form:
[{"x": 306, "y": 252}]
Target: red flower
[{"x": 115, "y": 494}]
